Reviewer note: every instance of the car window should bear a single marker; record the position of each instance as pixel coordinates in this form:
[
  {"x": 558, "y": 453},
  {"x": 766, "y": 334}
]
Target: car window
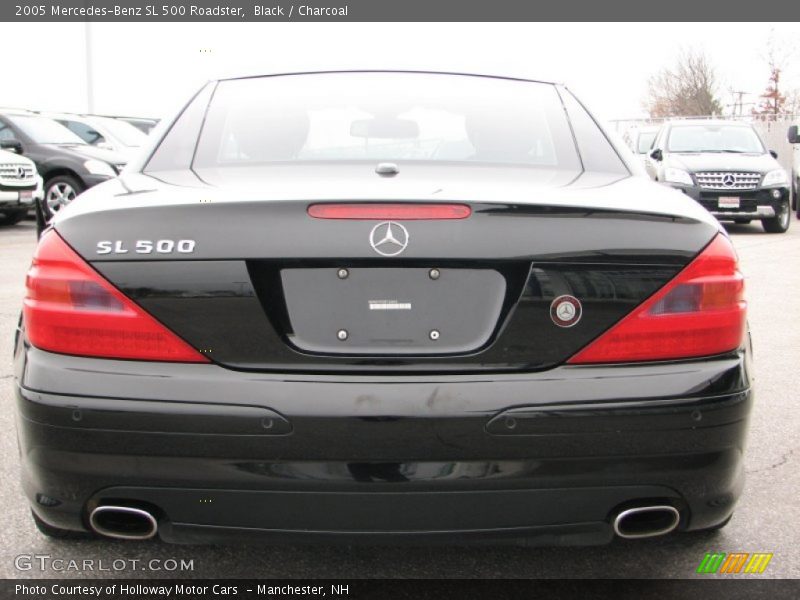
[
  {"x": 45, "y": 131},
  {"x": 125, "y": 133},
  {"x": 596, "y": 151},
  {"x": 645, "y": 141},
  {"x": 715, "y": 138},
  {"x": 84, "y": 131},
  {"x": 176, "y": 149},
  {"x": 5, "y": 132},
  {"x": 385, "y": 116}
]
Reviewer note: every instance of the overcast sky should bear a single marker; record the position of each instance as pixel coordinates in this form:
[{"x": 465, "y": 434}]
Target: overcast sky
[{"x": 147, "y": 69}]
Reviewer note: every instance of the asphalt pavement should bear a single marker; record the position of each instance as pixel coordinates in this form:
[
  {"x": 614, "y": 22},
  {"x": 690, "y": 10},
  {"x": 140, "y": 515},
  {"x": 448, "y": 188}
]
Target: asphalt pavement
[{"x": 765, "y": 518}]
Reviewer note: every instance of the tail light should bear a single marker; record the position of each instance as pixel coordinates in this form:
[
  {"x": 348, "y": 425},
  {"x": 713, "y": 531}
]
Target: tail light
[
  {"x": 700, "y": 312},
  {"x": 69, "y": 308},
  {"x": 386, "y": 212}
]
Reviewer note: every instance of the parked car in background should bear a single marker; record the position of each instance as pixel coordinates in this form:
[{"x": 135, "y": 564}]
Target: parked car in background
[
  {"x": 141, "y": 123},
  {"x": 18, "y": 185},
  {"x": 794, "y": 138},
  {"x": 724, "y": 166},
  {"x": 641, "y": 139},
  {"x": 103, "y": 132},
  {"x": 67, "y": 164}
]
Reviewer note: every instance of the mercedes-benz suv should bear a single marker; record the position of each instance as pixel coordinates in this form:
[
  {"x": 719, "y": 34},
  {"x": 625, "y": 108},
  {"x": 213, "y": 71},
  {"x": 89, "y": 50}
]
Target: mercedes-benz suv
[
  {"x": 724, "y": 166},
  {"x": 67, "y": 164},
  {"x": 18, "y": 184}
]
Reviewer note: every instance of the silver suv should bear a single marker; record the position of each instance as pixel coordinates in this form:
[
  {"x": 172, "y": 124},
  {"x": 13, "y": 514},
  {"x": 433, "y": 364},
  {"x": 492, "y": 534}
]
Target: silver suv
[{"x": 19, "y": 182}]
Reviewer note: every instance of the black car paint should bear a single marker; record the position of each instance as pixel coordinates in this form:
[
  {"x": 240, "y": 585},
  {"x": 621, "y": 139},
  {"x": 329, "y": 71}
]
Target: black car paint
[
  {"x": 228, "y": 300},
  {"x": 237, "y": 310},
  {"x": 527, "y": 455},
  {"x": 50, "y": 158},
  {"x": 63, "y": 159},
  {"x": 270, "y": 443}
]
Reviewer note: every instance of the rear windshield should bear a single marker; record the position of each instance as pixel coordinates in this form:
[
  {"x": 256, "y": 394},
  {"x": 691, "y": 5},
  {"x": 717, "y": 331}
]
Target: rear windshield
[
  {"x": 385, "y": 117},
  {"x": 715, "y": 138}
]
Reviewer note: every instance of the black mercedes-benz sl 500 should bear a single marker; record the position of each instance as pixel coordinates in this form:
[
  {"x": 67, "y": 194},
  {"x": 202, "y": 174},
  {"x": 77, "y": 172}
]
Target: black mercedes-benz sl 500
[{"x": 383, "y": 306}]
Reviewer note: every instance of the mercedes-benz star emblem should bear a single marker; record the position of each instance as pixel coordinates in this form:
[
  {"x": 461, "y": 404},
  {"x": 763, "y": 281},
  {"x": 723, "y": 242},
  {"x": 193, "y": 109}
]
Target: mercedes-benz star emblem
[
  {"x": 388, "y": 238},
  {"x": 728, "y": 180},
  {"x": 566, "y": 311}
]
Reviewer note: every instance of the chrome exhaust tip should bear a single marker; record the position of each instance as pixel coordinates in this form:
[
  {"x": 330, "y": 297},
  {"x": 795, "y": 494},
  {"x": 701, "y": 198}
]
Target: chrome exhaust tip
[
  {"x": 123, "y": 522},
  {"x": 646, "y": 521}
]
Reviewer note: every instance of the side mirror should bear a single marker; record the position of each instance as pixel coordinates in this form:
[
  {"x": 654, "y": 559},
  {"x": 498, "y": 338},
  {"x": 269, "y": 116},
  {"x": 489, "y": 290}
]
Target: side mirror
[
  {"x": 11, "y": 145},
  {"x": 793, "y": 135},
  {"x": 657, "y": 155},
  {"x": 773, "y": 154}
]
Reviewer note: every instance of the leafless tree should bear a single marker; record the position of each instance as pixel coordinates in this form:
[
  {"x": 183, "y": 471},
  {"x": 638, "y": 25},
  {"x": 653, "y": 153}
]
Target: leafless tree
[
  {"x": 687, "y": 88},
  {"x": 792, "y": 104},
  {"x": 778, "y": 98}
]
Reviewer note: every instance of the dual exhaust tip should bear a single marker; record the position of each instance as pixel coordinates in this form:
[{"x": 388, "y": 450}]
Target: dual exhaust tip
[
  {"x": 123, "y": 522},
  {"x": 646, "y": 521},
  {"x": 129, "y": 523}
]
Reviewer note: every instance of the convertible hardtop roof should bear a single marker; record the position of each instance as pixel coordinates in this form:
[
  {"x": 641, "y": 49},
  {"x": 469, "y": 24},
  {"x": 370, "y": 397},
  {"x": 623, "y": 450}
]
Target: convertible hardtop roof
[{"x": 404, "y": 71}]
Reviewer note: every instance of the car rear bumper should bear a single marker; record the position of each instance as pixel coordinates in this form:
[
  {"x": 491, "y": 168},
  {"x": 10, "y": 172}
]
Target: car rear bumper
[{"x": 220, "y": 455}]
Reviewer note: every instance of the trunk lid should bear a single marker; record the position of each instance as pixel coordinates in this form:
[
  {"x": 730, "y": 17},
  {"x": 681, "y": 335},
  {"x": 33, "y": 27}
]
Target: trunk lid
[{"x": 268, "y": 287}]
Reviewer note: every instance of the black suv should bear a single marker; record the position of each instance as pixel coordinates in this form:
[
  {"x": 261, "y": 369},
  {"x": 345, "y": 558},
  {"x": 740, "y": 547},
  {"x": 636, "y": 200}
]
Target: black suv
[
  {"x": 67, "y": 164},
  {"x": 724, "y": 166}
]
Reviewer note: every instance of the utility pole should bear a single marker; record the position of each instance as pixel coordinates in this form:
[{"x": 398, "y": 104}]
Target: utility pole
[
  {"x": 89, "y": 69},
  {"x": 737, "y": 103}
]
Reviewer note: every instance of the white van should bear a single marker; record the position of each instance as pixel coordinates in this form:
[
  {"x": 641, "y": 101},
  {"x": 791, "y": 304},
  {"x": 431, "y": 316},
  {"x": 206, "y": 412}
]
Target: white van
[{"x": 794, "y": 138}]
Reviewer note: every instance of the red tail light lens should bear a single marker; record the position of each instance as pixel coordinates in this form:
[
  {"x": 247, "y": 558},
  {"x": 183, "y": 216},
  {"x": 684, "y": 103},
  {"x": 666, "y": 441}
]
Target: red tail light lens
[
  {"x": 700, "y": 312},
  {"x": 71, "y": 309},
  {"x": 386, "y": 212}
]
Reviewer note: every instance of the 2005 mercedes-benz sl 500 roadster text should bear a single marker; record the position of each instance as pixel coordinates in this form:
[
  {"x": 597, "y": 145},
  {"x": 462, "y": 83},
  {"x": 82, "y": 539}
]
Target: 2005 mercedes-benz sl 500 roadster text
[{"x": 383, "y": 306}]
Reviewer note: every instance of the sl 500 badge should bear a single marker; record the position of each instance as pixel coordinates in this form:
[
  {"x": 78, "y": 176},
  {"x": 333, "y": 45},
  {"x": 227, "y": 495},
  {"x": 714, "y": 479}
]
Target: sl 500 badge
[{"x": 146, "y": 247}]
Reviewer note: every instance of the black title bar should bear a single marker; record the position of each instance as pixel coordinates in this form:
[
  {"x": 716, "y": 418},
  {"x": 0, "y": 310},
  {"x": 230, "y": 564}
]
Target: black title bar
[
  {"x": 389, "y": 589},
  {"x": 395, "y": 10}
]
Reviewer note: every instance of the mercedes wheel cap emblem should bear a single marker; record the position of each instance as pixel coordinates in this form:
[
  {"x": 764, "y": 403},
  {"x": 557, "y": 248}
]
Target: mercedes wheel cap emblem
[
  {"x": 566, "y": 311},
  {"x": 388, "y": 238}
]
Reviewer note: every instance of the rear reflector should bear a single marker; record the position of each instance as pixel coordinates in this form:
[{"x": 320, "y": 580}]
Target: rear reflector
[
  {"x": 71, "y": 309},
  {"x": 383, "y": 212},
  {"x": 700, "y": 312}
]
